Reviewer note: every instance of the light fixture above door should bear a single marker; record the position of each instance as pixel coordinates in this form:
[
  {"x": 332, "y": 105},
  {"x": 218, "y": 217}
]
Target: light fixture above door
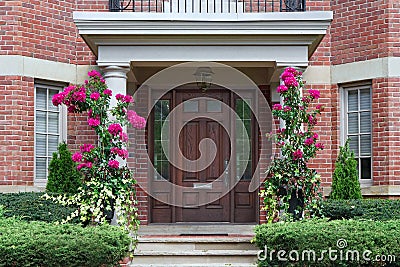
[{"x": 203, "y": 77}]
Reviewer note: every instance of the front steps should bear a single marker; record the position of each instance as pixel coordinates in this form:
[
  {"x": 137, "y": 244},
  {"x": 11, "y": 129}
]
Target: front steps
[{"x": 196, "y": 247}]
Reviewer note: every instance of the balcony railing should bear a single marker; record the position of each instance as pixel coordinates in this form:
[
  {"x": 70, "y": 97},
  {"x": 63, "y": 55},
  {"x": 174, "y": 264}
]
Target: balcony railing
[{"x": 207, "y": 6}]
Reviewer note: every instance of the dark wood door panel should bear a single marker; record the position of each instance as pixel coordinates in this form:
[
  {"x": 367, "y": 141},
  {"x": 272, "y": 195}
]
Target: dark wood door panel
[{"x": 200, "y": 203}]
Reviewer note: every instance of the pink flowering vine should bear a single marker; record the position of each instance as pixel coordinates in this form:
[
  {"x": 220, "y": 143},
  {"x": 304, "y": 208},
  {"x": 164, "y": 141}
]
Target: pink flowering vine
[
  {"x": 94, "y": 122},
  {"x": 115, "y": 128},
  {"x": 113, "y": 164},
  {"x": 289, "y": 174},
  {"x": 106, "y": 177},
  {"x": 77, "y": 157},
  {"x": 95, "y": 96}
]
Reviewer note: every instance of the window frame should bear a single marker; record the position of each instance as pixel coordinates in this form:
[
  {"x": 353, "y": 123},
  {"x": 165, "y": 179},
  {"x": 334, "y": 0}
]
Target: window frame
[
  {"x": 344, "y": 123},
  {"x": 62, "y": 127}
]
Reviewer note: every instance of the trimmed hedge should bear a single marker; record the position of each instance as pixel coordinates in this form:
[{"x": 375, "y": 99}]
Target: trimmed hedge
[
  {"x": 43, "y": 244},
  {"x": 31, "y": 207},
  {"x": 370, "y": 209},
  {"x": 381, "y": 238}
]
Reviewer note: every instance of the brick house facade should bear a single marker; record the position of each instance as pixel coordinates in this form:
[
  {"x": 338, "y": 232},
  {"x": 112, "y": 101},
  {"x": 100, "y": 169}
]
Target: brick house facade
[{"x": 356, "y": 67}]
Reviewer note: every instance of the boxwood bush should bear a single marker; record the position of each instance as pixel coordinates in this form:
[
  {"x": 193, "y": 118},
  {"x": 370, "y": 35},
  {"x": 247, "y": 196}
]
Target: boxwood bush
[
  {"x": 381, "y": 238},
  {"x": 42, "y": 244},
  {"x": 374, "y": 209},
  {"x": 31, "y": 207}
]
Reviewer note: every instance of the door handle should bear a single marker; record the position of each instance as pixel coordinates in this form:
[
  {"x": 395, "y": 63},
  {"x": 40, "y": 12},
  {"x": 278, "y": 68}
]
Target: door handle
[{"x": 226, "y": 173}]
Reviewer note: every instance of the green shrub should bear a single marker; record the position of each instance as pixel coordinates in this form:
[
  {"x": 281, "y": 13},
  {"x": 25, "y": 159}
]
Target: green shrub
[
  {"x": 345, "y": 184},
  {"x": 67, "y": 245},
  {"x": 373, "y": 209},
  {"x": 63, "y": 175},
  {"x": 381, "y": 238},
  {"x": 31, "y": 207}
]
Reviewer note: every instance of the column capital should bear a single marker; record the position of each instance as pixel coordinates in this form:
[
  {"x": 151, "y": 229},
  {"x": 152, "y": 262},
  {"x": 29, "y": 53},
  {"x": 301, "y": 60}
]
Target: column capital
[{"x": 114, "y": 71}]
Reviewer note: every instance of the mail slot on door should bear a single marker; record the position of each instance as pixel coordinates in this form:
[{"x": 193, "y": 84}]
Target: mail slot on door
[{"x": 202, "y": 185}]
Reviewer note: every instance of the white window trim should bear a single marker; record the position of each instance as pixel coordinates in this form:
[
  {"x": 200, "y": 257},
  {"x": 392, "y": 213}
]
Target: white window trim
[
  {"x": 343, "y": 123},
  {"x": 62, "y": 124}
]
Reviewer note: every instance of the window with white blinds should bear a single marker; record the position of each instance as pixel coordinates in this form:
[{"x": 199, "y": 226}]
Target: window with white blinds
[
  {"x": 359, "y": 127},
  {"x": 47, "y": 128}
]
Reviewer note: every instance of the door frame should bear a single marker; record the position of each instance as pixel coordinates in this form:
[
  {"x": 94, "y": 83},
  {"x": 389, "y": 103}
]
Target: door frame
[{"x": 171, "y": 96}]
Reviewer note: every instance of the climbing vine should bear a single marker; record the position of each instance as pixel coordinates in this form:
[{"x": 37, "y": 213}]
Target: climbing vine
[
  {"x": 108, "y": 184},
  {"x": 292, "y": 188}
]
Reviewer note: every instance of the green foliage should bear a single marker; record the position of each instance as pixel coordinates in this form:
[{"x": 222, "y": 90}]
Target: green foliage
[
  {"x": 345, "y": 183},
  {"x": 32, "y": 207},
  {"x": 42, "y": 244},
  {"x": 369, "y": 209},
  {"x": 63, "y": 175},
  {"x": 381, "y": 238}
]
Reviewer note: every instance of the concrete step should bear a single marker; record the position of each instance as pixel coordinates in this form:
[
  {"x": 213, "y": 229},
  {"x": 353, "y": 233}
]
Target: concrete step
[
  {"x": 195, "y": 243},
  {"x": 194, "y": 251}
]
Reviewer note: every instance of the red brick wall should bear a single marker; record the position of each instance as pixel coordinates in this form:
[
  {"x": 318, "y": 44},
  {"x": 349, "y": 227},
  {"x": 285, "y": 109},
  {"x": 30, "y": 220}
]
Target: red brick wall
[
  {"x": 361, "y": 29},
  {"x": 16, "y": 130},
  {"x": 79, "y": 132},
  {"x": 327, "y": 129},
  {"x": 386, "y": 131}
]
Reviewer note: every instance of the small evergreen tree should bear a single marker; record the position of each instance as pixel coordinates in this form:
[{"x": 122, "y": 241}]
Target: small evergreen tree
[
  {"x": 63, "y": 175},
  {"x": 345, "y": 183}
]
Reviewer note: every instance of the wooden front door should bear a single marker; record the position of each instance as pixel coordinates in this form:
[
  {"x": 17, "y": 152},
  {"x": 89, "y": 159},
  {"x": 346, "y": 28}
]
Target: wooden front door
[
  {"x": 205, "y": 191},
  {"x": 213, "y": 193}
]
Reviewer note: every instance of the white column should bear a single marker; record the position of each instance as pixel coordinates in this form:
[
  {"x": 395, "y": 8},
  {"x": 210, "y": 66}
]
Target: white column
[{"x": 116, "y": 79}]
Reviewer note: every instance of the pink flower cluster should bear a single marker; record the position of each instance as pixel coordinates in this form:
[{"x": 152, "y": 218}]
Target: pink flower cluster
[
  {"x": 123, "y": 136},
  {"x": 94, "y": 73},
  {"x": 95, "y": 96},
  {"x": 85, "y": 165},
  {"x": 298, "y": 154},
  {"x": 70, "y": 96},
  {"x": 315, "y": 94},
  {"x": 287, "y": 109},
  {"x": 291, "y": 82},
  {"x": 135, "y": 120},
  {"x": 113, "y": 164},
  {"x": 115, "y": 129},
  {"x": 309, "y": 141},
  {"x": 312, "y": 120},
  {"x": 94, "y": 122},
  {"x": 281, "y": 89},
  {"x": 123, "y": 153},
  {"x": 277, "y": 107},
  {"x": 86, "y": 148},
  {"x": 320, "y": 107},
  {"x": 77, "y": 157},
  {"x": 107, "y": 92},
  {"x": 289, "y": 77},
  {"x": 320, "y": 146},
  {"x": 124, "y": 98}
]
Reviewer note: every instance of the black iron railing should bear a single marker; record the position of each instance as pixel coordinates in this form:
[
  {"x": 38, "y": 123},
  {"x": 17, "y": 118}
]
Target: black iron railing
[{"x": 207, "y": 6}]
